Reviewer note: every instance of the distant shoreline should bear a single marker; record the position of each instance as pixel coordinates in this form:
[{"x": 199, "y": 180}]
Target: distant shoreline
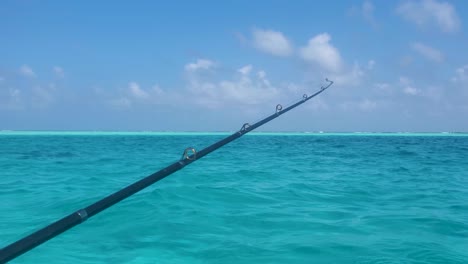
[{"x": 221, "y": 133}]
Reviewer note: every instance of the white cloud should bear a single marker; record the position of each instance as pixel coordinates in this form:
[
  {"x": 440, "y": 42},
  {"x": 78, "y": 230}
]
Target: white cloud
[
  {"x": 408, "y": 88},
  {"x": 245, "y": 70},
  {"x": 431, "y": 12},
  {"x": 26, "y": 71},
  {"x": 461, "y": 75},
  {"x": 58, "y": 71},
  {"x": 246, "y": 86},
  {"x": 261, "y": 75},
  {"x": 326, "y": 62},
  {"x": 319, "y": 51},
  {"x": 411, "y": 90},
  {"x": 262, "y": 78},
  {"x": 35, "y": 97},
  {"x": 201, "y": 64},
  {"x": 428, "y": 52},
  {"x": 350, "y": 77},
  {"x": 134, "y": 95},
  {"x": 243, "y": 89},
  {"x": 273, "y": 42},
  {"x": 136, "y": 91}
]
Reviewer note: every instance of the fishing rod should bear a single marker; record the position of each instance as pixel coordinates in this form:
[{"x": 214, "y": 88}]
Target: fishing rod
[{"x": 190, "y": 155}]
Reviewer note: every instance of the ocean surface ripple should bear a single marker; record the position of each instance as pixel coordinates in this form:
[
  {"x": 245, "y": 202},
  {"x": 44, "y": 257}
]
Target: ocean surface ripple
[{"x": 261, "y": 199}]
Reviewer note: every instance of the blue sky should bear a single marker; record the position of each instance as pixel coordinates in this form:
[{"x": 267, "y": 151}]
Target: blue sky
[{"x": 214, "y": 65}]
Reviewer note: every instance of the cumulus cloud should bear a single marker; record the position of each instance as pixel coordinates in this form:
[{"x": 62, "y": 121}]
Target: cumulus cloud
[
  {"x": 244, "y": 86},
  {"x": 428, "y": 52},
  {"x": 200, "y": 64},
  {"x": 325, "y": 60},
  {"x": 245, "y": 70},
  {"x": 352, "y": 76},
  {"x": 461, "y": 75},
  {"x": 243, "y": 89},
  {"x": 135, "y": 95},
  {"x": 272, "y": 42},
  {"x": 136, "y": 91},
  {"x": 26, "y": 71},
  {"x": 34, "y": 95},
  {"x": 58, "y": 71},
  {"x": 411, "y": 90},
  {"x": 431, "y": 12},
  {"x": 261, "y": 75},
  {"x": 321, "y": 52},
  {"x": 408, "y": 88}
]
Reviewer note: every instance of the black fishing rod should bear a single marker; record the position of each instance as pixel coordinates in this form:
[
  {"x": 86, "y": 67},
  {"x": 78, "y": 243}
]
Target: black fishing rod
[{"x": 190, "y": 155}]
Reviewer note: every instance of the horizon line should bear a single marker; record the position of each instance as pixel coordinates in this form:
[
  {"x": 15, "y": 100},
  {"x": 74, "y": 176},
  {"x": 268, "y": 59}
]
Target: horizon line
[{"x": 8, "y": 131}]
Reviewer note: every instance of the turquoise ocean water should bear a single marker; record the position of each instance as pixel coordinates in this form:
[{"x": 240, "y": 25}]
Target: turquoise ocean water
[{"x": 265, "y": 198}]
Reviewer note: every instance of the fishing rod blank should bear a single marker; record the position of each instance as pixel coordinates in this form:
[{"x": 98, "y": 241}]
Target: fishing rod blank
[{"x": 190, "y": 155}]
